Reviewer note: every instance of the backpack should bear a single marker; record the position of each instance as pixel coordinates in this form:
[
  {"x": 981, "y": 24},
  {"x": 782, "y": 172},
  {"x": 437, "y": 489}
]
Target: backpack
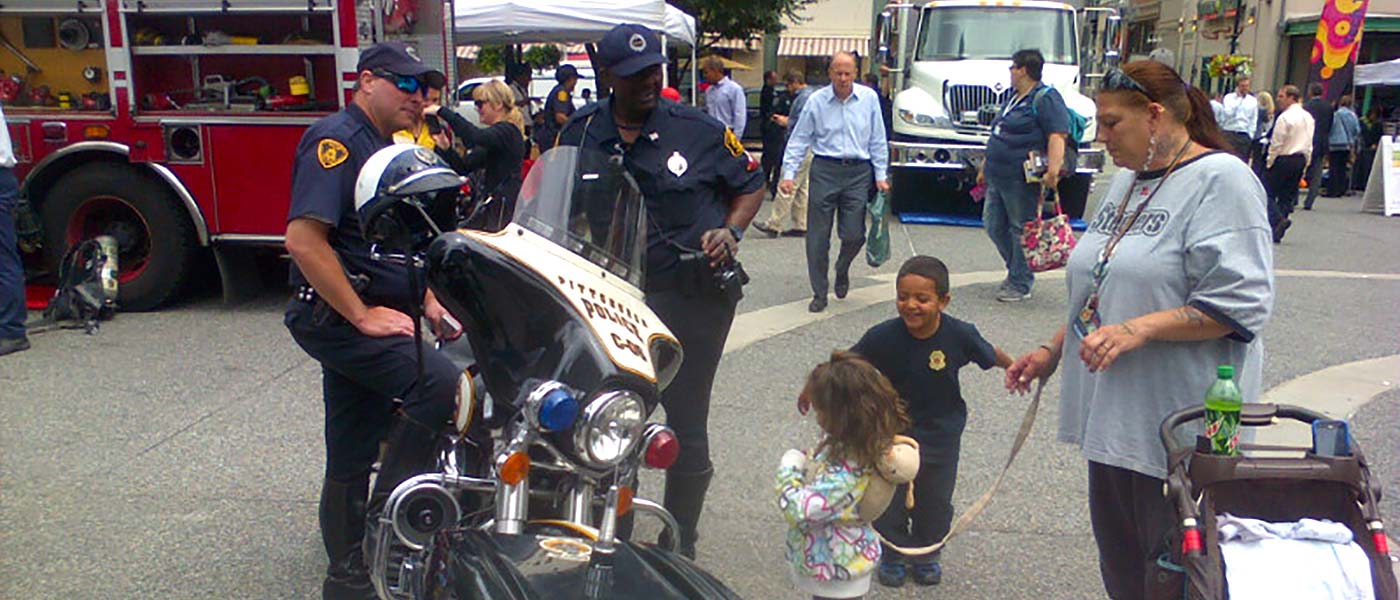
[
  {"x": 1077, "y": 122},
  {"x": 87, "y": 284}
]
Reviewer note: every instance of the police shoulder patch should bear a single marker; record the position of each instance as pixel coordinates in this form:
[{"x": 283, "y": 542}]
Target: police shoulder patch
[
  {"x": 331, "y": 153},
  {"x": 563, "y": 96},
  {"x": 732, "y": 143}
]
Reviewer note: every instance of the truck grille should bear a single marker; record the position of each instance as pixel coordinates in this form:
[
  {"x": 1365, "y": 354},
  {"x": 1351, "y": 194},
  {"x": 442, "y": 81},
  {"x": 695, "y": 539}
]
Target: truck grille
[{"x": 974, "y": 105}]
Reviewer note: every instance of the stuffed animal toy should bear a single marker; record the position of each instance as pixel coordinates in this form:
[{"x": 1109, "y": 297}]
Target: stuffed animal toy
[{"x": 900, "y": 465}]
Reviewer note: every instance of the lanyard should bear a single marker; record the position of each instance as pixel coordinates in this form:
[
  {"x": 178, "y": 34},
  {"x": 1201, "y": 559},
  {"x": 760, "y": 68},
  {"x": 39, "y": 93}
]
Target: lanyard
[{"x": 1089, "y": 319}]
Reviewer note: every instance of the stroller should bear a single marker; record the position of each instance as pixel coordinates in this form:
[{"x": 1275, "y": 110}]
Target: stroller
[{"x": 1201, "y": 485}]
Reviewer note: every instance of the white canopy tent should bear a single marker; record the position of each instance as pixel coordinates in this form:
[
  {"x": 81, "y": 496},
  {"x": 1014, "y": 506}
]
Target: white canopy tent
[
  {"x": 523, "y": 21},
  {"x": 1381, "y": 73}
]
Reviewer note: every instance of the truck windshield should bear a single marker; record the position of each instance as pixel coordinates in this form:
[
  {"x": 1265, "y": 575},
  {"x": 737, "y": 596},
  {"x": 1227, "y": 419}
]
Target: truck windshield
[{"x": 995, "y": 33}]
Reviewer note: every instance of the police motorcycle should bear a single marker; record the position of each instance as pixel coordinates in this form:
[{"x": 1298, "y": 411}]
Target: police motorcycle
[{"x": 535, "y": 486}]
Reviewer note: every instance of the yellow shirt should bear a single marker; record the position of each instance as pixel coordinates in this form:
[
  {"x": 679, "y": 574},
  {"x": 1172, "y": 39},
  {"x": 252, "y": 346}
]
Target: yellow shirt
[{"x": 423, "y": 138}]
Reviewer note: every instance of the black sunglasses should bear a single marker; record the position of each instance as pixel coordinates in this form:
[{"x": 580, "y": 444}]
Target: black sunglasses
[
  {"x": 406, "y": 83},
  {"x": 1116, "y": 79},
  {"x": 480, "y": 103}
]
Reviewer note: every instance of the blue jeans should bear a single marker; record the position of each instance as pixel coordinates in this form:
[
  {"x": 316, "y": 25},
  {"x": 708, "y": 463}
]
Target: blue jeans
[
  {"x": 1007, "y": 207},
  {"x": 12, "y": 311}
]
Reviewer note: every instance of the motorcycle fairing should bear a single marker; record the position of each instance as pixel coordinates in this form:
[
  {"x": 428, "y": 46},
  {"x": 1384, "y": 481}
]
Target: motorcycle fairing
[
  {"x": 521, "y": 322},
  {"x": 486, "y": 565},
  {"x": 612, "y": 307}
]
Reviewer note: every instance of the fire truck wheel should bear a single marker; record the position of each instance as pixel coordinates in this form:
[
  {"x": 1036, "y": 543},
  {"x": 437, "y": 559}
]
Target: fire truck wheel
[{"x": 155, "y": 238}]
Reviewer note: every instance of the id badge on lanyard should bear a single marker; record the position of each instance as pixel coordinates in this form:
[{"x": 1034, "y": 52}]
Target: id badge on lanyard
[{"x": 1088, "y": 319}]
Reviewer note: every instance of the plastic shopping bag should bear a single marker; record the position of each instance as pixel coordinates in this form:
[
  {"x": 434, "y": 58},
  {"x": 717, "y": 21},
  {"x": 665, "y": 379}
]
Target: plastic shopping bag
[{"x": 877, "y": 243}]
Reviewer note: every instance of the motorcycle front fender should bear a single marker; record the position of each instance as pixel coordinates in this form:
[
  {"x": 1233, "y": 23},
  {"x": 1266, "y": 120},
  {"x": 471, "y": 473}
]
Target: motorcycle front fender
[{"x": 473, "y": 564}]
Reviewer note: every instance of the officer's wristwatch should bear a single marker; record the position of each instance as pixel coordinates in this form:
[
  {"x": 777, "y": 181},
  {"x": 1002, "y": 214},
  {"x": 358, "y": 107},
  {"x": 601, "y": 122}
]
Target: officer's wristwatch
[{"x": 737, "y": 231}]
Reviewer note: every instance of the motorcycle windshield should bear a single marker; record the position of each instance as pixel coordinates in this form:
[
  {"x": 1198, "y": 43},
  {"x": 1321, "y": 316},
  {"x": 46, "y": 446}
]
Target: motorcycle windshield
[{"x": 586, "y": 202}]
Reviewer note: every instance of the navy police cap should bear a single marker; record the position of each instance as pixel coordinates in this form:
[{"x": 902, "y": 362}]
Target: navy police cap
[
  {"x": 628, "y": 48},
  {"x": 400, "y": 59}
]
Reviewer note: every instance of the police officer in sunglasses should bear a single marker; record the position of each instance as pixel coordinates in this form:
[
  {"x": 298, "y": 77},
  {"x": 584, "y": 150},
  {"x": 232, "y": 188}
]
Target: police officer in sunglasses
[{"x": 350, "y": 313}]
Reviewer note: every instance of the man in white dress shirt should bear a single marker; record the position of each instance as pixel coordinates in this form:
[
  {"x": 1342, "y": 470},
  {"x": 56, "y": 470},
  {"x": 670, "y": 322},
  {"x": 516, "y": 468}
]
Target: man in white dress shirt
[
  {"x": 1290, "y": 148},
  {"x": 1239, "y": 115}
]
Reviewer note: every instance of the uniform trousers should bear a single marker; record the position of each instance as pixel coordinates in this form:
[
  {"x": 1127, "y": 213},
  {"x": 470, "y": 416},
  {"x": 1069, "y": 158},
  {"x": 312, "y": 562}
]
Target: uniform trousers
[
  {"x": 700, "y": 320},
  {"x": 839, "y": 192},
  {"x": 12, "y": 311},
  {"x": 360, "y": 378}
]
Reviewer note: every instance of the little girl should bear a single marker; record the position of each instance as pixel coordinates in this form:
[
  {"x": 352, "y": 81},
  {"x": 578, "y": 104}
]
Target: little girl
[{"x": 833, "y": 552}]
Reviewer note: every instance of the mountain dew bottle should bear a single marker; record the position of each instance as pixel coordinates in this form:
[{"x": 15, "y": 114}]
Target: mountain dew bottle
[{"x": 1223, "y": 403}]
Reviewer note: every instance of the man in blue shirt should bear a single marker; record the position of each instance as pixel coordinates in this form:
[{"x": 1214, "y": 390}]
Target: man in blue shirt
[
  {"x": 351, "y": 313},
  {"x": 1035, "y": 119},
  {"x": 725, "y": 98},
  {"x": 843, "y": 127}
]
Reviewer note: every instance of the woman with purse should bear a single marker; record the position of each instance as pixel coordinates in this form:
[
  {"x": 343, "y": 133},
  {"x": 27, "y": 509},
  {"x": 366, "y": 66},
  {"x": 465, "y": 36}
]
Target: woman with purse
[
  {"x": 1172, "y": 278},
  {"x": 1034, "y": 121}
]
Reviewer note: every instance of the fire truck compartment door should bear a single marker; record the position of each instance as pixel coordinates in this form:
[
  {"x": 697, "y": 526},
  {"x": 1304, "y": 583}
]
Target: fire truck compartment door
[
  {"x": 252, "y": 171},
  {"x": 183, "y": 6}
]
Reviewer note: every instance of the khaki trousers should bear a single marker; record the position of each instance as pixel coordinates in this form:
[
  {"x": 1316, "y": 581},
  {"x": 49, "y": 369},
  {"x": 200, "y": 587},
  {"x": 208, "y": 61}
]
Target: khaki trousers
[{"x": 792, "y": 208}]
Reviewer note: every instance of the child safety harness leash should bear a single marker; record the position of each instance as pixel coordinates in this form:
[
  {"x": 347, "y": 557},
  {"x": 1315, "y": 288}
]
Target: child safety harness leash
[{"x": 965, "y": 519}]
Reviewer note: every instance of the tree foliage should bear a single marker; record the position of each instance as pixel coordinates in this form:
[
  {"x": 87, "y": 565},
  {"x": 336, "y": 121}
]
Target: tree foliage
[
  {"x": 740, "y": 19},
  {"x": 492, "y": 59}
]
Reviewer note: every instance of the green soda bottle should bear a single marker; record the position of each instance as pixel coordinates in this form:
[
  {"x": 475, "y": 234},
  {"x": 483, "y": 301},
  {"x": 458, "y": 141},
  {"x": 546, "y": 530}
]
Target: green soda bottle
[{"x": 1223, "y": 403}]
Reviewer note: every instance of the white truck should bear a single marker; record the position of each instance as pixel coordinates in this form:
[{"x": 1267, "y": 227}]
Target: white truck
[{"x": 948, "y": 63}]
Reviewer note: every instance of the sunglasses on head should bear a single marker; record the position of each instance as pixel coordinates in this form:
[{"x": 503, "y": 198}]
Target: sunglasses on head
[
  {"x": 406, "y": 83},
  {"x": 1117, "y": 80}
]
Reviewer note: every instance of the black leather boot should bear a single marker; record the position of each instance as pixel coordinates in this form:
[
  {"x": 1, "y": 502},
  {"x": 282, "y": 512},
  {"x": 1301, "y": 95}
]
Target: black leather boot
[
  {"x": 685, "y": 498},
  {"x": 408, "y": 452},
  {"x": 342, "y": 529}
]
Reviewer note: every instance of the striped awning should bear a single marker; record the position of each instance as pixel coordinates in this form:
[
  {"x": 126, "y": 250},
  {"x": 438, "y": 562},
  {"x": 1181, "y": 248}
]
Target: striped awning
[{"x": 821, "y": 46}]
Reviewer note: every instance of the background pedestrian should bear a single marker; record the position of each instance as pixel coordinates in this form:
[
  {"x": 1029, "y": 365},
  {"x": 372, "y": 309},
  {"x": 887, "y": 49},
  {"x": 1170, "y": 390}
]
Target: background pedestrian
[
  {"x": 724, "y": 99},
  {"x": 1290, "y": 149},
  {"x": 1239, "y": 118},
  {"x": 12, "y": 311},
  {"x": 1341, "y": 143},
  {"x": 791, "y": 206},
  {"x": 1321, "y": 111}
]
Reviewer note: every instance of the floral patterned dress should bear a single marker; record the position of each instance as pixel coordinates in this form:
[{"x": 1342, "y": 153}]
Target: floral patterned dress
[{"x": 831, "y": 551}]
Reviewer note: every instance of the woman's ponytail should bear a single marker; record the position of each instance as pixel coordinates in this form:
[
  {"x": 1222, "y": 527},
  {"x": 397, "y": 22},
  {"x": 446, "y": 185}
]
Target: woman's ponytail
[{"x": 1201, "y": 125}]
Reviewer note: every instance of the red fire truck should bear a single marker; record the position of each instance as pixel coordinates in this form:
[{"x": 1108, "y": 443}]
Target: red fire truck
[{"x": 171, "y": 124}]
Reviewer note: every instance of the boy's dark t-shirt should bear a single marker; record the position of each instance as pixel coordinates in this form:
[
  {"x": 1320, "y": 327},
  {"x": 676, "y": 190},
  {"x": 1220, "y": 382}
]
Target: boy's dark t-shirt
[{"x": 925, "y": 372}]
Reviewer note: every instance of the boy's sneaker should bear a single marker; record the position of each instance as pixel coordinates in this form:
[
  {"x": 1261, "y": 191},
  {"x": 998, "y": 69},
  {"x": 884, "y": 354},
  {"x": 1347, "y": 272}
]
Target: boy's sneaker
[
  {"x": 892, "y": 574},
  {"x": 928, "y": 573}
]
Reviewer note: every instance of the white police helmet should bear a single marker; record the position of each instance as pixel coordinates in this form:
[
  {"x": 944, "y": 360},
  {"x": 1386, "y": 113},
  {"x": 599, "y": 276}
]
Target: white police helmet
[{"x": 399, "y": 191}]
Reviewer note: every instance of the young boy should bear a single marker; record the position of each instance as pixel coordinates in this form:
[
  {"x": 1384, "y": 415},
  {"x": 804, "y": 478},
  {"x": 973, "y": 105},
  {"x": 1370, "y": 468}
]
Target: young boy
[{"x": 921, "y": 352}]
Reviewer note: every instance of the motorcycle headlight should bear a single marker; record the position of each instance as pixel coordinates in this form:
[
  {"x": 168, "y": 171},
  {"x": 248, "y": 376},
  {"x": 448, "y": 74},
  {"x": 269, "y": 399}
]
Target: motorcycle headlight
[{"x": 610, "y": 427}]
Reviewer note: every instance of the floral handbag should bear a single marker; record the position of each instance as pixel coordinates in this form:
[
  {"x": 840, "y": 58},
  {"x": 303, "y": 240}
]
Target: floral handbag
[{"x": 1047, "y": 242}]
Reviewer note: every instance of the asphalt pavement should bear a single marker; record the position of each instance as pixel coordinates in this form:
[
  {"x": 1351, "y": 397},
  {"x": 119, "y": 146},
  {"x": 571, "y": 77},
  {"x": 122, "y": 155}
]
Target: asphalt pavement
[{"x": 178, "y": 454}]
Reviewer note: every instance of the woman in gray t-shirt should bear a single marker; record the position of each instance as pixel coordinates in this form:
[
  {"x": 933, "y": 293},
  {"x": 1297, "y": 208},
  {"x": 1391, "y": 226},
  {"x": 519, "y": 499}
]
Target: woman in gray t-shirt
[{"x": 1172, "y": 278}]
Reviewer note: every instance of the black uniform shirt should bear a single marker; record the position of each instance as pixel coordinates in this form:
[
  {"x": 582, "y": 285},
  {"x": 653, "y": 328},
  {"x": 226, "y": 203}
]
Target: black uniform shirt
[
  {"x": 925, "y": 372},
  {"x": 328, "y": 161},
  {"x": 687, "y": 164}
]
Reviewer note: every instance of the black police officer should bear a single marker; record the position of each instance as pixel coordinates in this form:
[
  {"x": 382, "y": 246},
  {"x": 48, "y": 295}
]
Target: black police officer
[
  {"x": 557, "y": 107},
  {"x": 701, "y": 191},
  {"x": 351, "y": 312}
]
